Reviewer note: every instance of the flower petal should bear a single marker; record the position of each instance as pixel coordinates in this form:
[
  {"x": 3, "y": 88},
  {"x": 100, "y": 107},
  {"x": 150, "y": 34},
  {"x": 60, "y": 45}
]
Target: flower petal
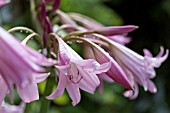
[
  {"x": 132, "y": 94},
  {"x": 151, "y": 87},
  {"x": 105, "y": 77},
  {"x": 90, "y": 78},
  {"x": 115, "y": 72},
  {"x": 74, "y": 93},
  {"x": 40, "y": 77},
  {"x": 60, "y": 88},
  {"x": 103, "y": 68},
  {"x": 120, "y": 39},
  {"x": 28, "y": 93},
  {"x": 115, "y": 30}
]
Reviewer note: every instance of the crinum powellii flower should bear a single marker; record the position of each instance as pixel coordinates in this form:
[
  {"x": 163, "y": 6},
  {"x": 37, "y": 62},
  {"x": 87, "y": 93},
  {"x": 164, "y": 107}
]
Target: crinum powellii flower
[
  {"x": 139, "y": 69},
  {"x": 20, "y": 66},
  {"x": 75, "y": 73}
]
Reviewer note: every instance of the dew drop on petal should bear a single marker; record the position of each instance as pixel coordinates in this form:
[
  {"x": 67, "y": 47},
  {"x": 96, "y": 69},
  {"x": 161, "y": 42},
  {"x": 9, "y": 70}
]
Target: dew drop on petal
[
  {"x": 72, "y": 36},
  {"x": 69, "y": 42},
  {"x": 85, "y": 36},
  {"x": 79, "y": 41}
]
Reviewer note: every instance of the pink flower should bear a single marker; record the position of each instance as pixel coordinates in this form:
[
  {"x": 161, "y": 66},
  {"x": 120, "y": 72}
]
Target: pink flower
[
  {"x": 138, "y": 69},
  {"x": 7, "y": 108},
  {"x": 115, "y": 33},
  {"x": 20, "y": 66},
  {"x": 75, "y": 73},
  {"x": 115, "y": 73},
  {"x": 115, "y": 30}
]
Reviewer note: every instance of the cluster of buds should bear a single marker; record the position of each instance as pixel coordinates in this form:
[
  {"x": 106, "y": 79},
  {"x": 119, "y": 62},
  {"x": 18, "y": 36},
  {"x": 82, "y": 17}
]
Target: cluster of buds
[{"x": 105, "y": 57}]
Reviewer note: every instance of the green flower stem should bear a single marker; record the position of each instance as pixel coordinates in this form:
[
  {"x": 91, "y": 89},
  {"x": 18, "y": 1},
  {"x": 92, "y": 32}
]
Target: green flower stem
[
  {"x": 27, "y": 108},
  {"x": 45, "y": 104},
  {"x": 34, "y": 14}
]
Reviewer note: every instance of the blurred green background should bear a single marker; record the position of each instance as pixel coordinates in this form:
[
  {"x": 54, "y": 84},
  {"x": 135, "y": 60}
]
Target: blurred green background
[{"x": 153, "y": 19}]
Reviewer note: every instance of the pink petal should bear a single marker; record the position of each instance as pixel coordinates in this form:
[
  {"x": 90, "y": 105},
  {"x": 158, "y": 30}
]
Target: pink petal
[
  {"x": 74, "y": 93},
  {"x": 40, "y": 77},
  {"x": 157, "y": 61},
  {"x": 105, "y": 77},
  {"x": 39, "y": 58},
  {"x": 115, "y": 30},
  {"x": 60, "y": 88},
  {"x": 28, "y": 93},
  {"x": 132, "y": 94},
  {"x": 17, "y": 52},
  {"x": 120, "y": 39},
  {"x": 161, "y": 52},
  {"x": 89, "y": 82},
  {"x": 66, "y": 53},
  {"x": 66, "y": 19},
  {"x": 151, "y": 87},
  {"x": 89, "y": 78},
  {"x": 103, "y": 68},
  {"x": 115, "y": 72},
  {"x": 92, "y": 66},
  {"x": 20, "y": 80},
  {"x": 89, "y": 65},
  {"x": 147, "y": 53}
]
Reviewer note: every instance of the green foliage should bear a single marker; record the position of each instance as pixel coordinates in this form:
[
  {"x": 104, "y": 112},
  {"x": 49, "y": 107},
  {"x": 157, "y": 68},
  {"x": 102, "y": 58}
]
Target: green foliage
[{"x": 94, "y": 9}]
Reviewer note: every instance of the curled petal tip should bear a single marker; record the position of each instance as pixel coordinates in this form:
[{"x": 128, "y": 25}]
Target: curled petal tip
[
  {"x": 48, "y": 97},
  {"x": 154, "y": 90},
  {"x": 136, "y": 27},
  {"x": 74, "y": 104},
  {"x": 129, "y": 94},
  {"x": 133, "y": 26}
]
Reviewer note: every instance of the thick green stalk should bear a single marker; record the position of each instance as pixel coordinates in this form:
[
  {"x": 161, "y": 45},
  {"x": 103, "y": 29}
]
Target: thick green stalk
[
  {"x": 45, "y": 103},
  {"x": 27, "y": 108}
]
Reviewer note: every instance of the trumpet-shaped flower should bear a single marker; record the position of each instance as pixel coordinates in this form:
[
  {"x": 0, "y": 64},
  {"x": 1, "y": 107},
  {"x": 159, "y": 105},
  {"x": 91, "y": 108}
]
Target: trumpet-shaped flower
[
  {"x": 75, "y": 73},
  {"x": 138, "y": 69},
  {"x": 20, "y": 66},
  {"x": 115, "y": 73},
  {"x": 115, "y": 33}
]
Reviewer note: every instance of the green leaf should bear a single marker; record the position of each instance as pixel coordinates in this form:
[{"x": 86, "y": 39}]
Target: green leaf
[{"x": 94, "y": 9}]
